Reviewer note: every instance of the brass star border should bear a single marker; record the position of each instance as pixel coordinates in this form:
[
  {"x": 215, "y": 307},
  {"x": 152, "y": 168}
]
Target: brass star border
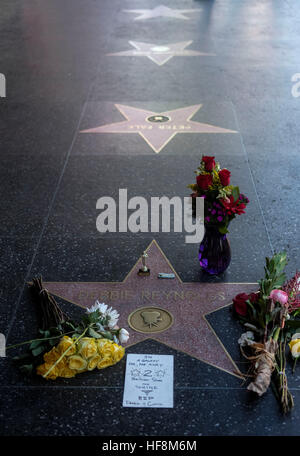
[{"x": 188, "y": 302}]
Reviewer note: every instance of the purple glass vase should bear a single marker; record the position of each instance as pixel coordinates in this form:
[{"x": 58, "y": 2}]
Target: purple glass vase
[{"x": 214, "y": 251}]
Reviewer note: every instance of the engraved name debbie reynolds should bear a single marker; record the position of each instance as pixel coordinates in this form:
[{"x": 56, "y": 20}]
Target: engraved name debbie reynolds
[{"x": 112, "y": 295}]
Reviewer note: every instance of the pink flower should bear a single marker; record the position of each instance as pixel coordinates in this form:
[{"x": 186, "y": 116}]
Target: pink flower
[{"x": 279, "y": 296}]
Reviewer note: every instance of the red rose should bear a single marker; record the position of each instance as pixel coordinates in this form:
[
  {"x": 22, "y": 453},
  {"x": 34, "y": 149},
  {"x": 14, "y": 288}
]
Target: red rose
[
  {"x": 254, "y": 297},
  {"x": 239, "y": 304},
  {"x": 224, "y": 176},
  {"x": 209, "y": 162},
  {"x": 204, "y": 181}
]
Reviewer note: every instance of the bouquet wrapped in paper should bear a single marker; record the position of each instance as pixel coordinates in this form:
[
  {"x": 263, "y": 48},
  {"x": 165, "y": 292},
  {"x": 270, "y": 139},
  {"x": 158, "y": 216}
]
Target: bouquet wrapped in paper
[{"x": 271, "y": 317}]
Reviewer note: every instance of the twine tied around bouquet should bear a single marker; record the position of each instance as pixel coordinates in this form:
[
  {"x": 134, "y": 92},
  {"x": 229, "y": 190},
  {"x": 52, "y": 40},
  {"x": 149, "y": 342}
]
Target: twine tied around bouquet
[
  {"x": 44, "y": 290},
  {"x": 50, "y": 314},
  {"x": 264, "y": 365}
]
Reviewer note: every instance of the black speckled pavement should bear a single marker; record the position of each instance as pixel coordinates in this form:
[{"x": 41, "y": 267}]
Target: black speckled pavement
[{"x": 79, "y": 77}]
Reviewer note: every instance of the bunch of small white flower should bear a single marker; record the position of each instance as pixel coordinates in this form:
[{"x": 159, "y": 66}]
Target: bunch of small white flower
[
  {"x": 111, "y": 317},
  {"x": 105, "y": 313}
]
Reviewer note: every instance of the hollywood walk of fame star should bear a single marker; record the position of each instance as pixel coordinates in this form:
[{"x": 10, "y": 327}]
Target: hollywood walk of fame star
[
  {"x": 160, "y": 54},
  {"x": 157, "y": 129},
  {"x": 189, "y": 303},
  {"x": 162, "y": 11}
]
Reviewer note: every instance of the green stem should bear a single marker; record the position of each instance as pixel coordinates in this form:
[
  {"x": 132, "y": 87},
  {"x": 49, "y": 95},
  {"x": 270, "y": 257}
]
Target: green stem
[
  {"x": 65, "y": 352},
  {"x": 294, "y": 366},
  {"x": 34, "y": 340},
  {"x": 276, "y": 335}
]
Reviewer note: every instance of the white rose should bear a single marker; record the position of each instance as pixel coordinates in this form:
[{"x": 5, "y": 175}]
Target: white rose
[
  {"x": 123, "y": 336},
  {"x": 246, "y": 338}
]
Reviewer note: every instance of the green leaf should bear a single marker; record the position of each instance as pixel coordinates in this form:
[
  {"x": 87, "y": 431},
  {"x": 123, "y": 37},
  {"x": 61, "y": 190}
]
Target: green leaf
[
  {"x": 70, "y": 324},
  {"x": 53, "y": 342},
  {"x": 21, "y": 357},
  {"x": 223, "y": 229},
  {"x": 279, "y": 281},
  {"x": 94, "y": 334},
  {"x": 192, "y": 186},
  {"x": 107, "y": 335},
  {"x": 235, "y": 193},
  {"x": 34, "y": 344},
  {"x": 37, "y": 351},
  {"x": 26, "y": 369},
  {"x": 295, "y": 324}
]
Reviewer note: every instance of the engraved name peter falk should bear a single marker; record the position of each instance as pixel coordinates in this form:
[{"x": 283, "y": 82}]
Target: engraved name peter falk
[{"x": 112, "y": 295}]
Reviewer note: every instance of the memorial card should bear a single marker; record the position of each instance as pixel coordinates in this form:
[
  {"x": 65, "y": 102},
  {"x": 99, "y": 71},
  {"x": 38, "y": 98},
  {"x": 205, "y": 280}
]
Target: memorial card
[{"x": 149, "y": 381}]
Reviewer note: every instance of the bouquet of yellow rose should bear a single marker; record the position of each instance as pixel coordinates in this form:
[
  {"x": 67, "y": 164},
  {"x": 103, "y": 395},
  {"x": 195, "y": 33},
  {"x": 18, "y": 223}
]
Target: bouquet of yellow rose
[
  {"x": 65, "y": 348},
  {"x": 71, "y": 357}
]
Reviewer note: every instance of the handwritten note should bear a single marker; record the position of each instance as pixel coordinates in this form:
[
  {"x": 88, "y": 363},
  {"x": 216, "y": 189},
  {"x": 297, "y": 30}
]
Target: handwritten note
[{"x": 149, "y": 381}]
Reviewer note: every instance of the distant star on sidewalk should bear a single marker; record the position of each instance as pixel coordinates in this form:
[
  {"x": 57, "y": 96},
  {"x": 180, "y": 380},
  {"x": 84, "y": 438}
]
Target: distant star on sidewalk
[
  {"x": 157, "y": 129},
  {"x": 160, "y": 54},
  {"x": 162, "y": 11}
]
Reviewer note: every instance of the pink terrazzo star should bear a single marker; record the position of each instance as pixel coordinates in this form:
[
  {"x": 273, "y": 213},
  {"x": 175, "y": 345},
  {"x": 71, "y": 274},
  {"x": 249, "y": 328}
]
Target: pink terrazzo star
[
  {"x": 162, "y": 11},
  {"x": 157, "y": 129},
  {"x": 160, "y": 54},
  {"x": 189, "y": 303}
]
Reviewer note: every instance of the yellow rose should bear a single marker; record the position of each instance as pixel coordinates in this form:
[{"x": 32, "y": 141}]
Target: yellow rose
[
  {"x": 66, "y": 372},
  {"x": 118, "y": 354},
  {"x": 93, "y": 362},
  {"x": 43, "y": 369},
  {"x": 105, "y": 347},
  {"x": 106, "y": 352},
  {"x": 64, "y": 344},
  {"x": 87, "y": 347},
  {"x": 295, "y": 347},
  {"x": 105, "y": 362},
  {"x": 76, "y": 362},
  {"x": 51, "y": 356},
  {"x": 63, "y": 364},
  {"x": 103, "y": 342}
]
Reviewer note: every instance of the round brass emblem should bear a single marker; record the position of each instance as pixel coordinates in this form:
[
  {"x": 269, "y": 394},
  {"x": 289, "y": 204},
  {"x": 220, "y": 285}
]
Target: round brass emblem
[
  {"x": 150, "y": 320},
  {"x": 158, "y": 119}
]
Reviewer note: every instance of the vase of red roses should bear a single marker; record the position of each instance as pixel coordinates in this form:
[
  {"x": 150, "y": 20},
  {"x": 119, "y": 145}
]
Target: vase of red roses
[{"x": 222, "y": 203}]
